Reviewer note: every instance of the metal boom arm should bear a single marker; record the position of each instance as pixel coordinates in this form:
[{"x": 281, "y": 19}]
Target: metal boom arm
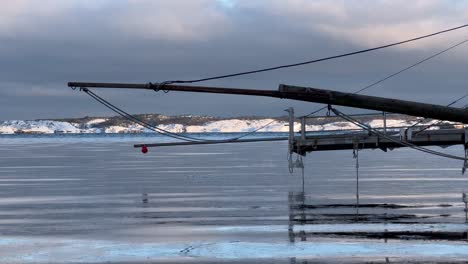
[{"x": 311, "y": 95}]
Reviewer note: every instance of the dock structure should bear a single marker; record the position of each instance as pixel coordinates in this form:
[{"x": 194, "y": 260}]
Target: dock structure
[
  {"x": 362, "y": 139},
  {"x": 381, "y": 138}
]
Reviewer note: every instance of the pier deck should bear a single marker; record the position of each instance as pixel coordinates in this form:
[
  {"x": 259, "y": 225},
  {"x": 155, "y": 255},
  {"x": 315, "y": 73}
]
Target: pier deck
[{"x": 364, "y": 140}]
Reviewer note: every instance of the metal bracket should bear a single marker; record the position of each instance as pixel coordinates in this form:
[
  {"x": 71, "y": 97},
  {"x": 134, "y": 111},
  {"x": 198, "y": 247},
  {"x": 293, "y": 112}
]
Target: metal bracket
[
  {"x": 355, "y": 147},
  {"x": 298, "y": 163},
  {"x": 406, "y": 134}
]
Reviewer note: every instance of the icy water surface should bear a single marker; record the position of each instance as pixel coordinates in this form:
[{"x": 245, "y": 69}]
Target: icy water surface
[{"x": 96, "y": 199}]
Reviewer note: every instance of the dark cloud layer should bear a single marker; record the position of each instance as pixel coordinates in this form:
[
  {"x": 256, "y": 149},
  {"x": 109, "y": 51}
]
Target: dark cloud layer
[{"x": 43, "y": 46}]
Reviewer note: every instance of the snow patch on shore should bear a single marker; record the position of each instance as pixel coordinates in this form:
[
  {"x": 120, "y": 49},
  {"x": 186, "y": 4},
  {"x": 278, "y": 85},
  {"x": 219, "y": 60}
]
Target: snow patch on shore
[
  {"x": 96, "y": 121},
  {"x": 238, "y": 125}
]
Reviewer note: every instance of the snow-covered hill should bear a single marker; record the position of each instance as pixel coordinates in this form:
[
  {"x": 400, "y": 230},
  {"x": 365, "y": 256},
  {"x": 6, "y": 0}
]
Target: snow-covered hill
[
  {"x": 190, "y": 124},
  {"x": 41, "y": 126}
]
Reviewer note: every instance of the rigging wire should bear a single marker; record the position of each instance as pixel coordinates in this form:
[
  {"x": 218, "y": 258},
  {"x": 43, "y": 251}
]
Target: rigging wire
[
  {"x": 406, "y": 144},
  {"x": 156, "y": 129},
  {"x": 397, "y": 73},
  {"x": 316, "y": 60},
  {"x": 420, "y": 120},
  {"x": 136, "y": 120},
  {"x": 362, "y": 89},
  {"x": 452, "y": 103},
  {"x": 178, "y": 136},
  {"x": 434, "y": 124}
]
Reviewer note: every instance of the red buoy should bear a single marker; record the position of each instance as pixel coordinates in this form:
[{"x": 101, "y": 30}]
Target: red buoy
[{"x": 144, "y": 149}]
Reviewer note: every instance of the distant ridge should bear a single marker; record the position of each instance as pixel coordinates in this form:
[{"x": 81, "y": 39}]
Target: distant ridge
[{"x": 188, "y": 124}]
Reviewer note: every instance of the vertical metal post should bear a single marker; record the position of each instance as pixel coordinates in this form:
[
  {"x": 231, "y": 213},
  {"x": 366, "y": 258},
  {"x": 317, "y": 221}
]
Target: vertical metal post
[
  {"x": 290, "y": 110},
  {"x": 385, "y": 122},
  {"x": 303, "y": 128}
]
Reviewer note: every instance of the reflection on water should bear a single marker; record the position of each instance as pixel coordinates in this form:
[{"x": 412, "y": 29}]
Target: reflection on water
[
  {"x": 373, "y": 221},
  {"x": 220, "y": 201}
]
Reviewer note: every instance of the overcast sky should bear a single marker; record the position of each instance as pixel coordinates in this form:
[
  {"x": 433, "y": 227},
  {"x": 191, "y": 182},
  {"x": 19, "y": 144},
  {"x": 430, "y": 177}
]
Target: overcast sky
[{"x": 46, "y": 43}]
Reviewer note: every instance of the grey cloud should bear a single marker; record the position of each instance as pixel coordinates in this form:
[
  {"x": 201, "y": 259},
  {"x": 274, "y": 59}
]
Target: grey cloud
[
  {"x": 369, "y": 22},
  {"x": 83, "y": 42}
]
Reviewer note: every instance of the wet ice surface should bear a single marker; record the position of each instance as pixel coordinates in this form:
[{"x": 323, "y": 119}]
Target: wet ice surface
[{"x": 69, "y": 199}]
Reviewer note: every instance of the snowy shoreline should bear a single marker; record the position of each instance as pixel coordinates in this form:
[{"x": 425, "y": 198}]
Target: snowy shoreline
[{"x": 95, "y": 126}]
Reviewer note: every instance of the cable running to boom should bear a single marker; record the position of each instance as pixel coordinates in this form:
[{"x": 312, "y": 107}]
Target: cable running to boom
[
  {"x": 431, "y": 125},
  {"x": 452, "y": 103},
  {"x": 374, "y": 84},
  {"x": 381, "y": 81},
  {"x": 420, "y": 120},
  {"x": 397, "y": 73},
  {"x": 316, "y": 60},
  {"x": 187, "y": 138},
  {"x": 153, "y": 128},
  {"x": 136, "y": 120}
]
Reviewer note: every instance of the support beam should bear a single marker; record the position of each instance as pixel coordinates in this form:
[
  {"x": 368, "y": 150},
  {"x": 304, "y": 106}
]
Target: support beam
[
  {"x": 314, "y": 143},
  {"x": 211, "y": 142},
  {"x": 313, "y": 95}
]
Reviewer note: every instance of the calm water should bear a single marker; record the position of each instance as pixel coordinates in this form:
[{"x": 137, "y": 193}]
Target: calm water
[{"x": 93, "y": 199}]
